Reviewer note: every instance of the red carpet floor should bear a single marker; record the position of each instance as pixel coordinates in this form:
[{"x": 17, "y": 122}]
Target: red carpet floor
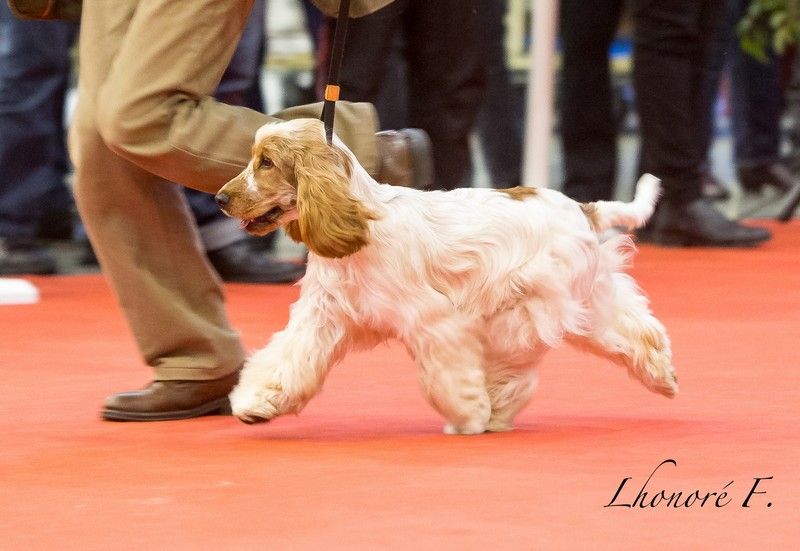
[{"x": 365, "y": 465}]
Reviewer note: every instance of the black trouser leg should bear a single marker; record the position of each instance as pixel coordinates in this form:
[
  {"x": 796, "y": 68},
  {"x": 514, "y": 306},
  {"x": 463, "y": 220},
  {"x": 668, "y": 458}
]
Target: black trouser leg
[
  {"x": 446, "y": 80},
  {"x": 500, "y": 120},
  {"x": 673, "y": 40},
  {"x": 588, "y": 124},
  {"x": 374, "y": 66}
]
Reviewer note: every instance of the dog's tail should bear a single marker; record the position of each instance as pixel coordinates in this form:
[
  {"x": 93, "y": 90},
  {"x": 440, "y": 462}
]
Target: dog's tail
[{"x": 608, "y": 214}]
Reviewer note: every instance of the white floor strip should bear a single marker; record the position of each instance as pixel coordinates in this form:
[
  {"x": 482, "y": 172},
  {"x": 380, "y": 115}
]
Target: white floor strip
[{"x": 17, "y": 291}]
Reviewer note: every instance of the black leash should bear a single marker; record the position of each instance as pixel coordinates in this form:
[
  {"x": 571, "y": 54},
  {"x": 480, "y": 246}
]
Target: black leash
[{"x": 337, "y": 53}]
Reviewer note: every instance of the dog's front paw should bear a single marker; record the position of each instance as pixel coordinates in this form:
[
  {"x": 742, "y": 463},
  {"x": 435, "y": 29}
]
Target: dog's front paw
[
  {"x": 470, "y": 427},
  {"x": 256, "y": 404}
]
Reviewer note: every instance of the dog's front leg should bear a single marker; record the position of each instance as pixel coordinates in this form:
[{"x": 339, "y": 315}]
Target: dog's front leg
[
  {"x": 289, "y": 371},
  {"x": 449, "y": 354}
]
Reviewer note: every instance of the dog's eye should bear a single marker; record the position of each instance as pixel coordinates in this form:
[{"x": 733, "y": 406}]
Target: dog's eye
[{"x": 266, "y": 162}]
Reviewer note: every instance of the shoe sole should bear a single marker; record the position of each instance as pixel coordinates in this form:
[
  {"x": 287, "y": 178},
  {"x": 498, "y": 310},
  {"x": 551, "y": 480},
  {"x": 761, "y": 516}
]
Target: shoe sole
[
  {"x": 792, "y": 204},
  {"x": 422, "y": 166},
  {"x": 43, "y": 268},
  {"x": 18, "y": 273},
  {"x": 680, "y": 240},
  {"x": 221, "y": 406},
  {"x": 257, "y": 279}
]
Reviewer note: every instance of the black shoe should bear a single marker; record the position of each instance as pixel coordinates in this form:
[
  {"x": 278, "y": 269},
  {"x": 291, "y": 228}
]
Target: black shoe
[
  {"x": 713, "y": 189},
  {"x": 755, "y": 178},
  {"x": 243, "y": 262},
  {"x": 698, "y": 224},
  {"x": 25, "y": 256},
  {"x": 86, "y": 255},
  {"x": 58, "y": 225},
  {"x": 170, "y": 400},
  {"x": 264, "y": 243},
  {"x": 406, "y": 158}
]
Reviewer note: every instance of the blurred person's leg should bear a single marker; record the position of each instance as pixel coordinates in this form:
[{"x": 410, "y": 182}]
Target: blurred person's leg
[
  {"x": 240, "y": 84},
  {"x": 235, "y": 255},
  {"x": 147, "y": 70},
  {"x": 588, "y": 125},
  {"x": 34, "y": 75},
  {"x": 369, "y": 65},
  {"x": 446, "y": 75},
  {"x": 235, "y": 88},
  {"x": 670, "y": 73},
  {"x": 374, "y": 66},
  {"x": 315, "y": 22},
  {"x": 723, "y": 42},
  {"x": 672, "y": 53},
  {"x": 392, "y": 100},
  {"x": 758, "y": 103},
  {"x": 499, "y": 122}
]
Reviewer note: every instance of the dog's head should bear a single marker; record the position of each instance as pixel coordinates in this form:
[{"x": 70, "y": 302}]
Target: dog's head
[{"x": 296, "y": 180}]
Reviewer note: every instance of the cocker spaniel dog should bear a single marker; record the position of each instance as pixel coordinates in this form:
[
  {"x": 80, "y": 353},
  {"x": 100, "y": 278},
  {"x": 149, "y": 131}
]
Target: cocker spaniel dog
[{"x": 476, "y": 283}]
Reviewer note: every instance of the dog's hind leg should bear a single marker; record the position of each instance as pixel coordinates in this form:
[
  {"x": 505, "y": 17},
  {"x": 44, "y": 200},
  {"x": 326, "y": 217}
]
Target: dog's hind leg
[
  {"x": 449, "y": 356},
  {"x": 510, "y": 389},
  {"x": 634, "y": 338}
]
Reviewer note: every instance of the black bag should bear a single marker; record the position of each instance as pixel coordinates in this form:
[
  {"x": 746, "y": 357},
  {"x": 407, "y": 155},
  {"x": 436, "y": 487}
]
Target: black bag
[{"x": 69, "y": 10}]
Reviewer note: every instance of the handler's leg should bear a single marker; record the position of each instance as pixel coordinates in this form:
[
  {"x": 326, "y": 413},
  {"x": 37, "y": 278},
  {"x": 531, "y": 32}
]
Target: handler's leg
[
  {"x": 147, "y": 69},
  {"x": 148, "y": 247}
]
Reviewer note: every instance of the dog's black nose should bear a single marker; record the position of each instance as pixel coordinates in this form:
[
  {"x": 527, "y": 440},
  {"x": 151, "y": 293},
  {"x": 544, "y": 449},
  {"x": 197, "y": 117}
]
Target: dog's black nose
[{"x": 222, "y": 199}]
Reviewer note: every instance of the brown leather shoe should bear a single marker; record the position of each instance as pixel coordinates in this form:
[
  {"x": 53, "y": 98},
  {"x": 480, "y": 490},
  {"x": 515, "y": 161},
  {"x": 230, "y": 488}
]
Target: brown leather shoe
[
  {"x": 406, "y": 158},
  {"x": 169, "y": 400}
]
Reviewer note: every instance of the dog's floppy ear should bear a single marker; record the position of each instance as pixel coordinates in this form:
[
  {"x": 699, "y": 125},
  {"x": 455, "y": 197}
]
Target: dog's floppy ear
[{"x": 330, "y": 220}]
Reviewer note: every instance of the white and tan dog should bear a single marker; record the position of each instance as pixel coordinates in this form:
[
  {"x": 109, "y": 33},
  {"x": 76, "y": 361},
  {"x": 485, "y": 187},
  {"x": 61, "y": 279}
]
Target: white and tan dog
[{"x": 476, "y": 283}]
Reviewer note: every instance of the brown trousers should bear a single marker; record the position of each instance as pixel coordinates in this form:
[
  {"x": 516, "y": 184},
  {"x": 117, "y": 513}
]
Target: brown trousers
[{"x": 145, "y": 117}]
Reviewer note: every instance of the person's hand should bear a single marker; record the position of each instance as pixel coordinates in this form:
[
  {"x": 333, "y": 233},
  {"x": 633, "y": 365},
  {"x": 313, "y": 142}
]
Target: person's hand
[{"x": 358, "y": 8}]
